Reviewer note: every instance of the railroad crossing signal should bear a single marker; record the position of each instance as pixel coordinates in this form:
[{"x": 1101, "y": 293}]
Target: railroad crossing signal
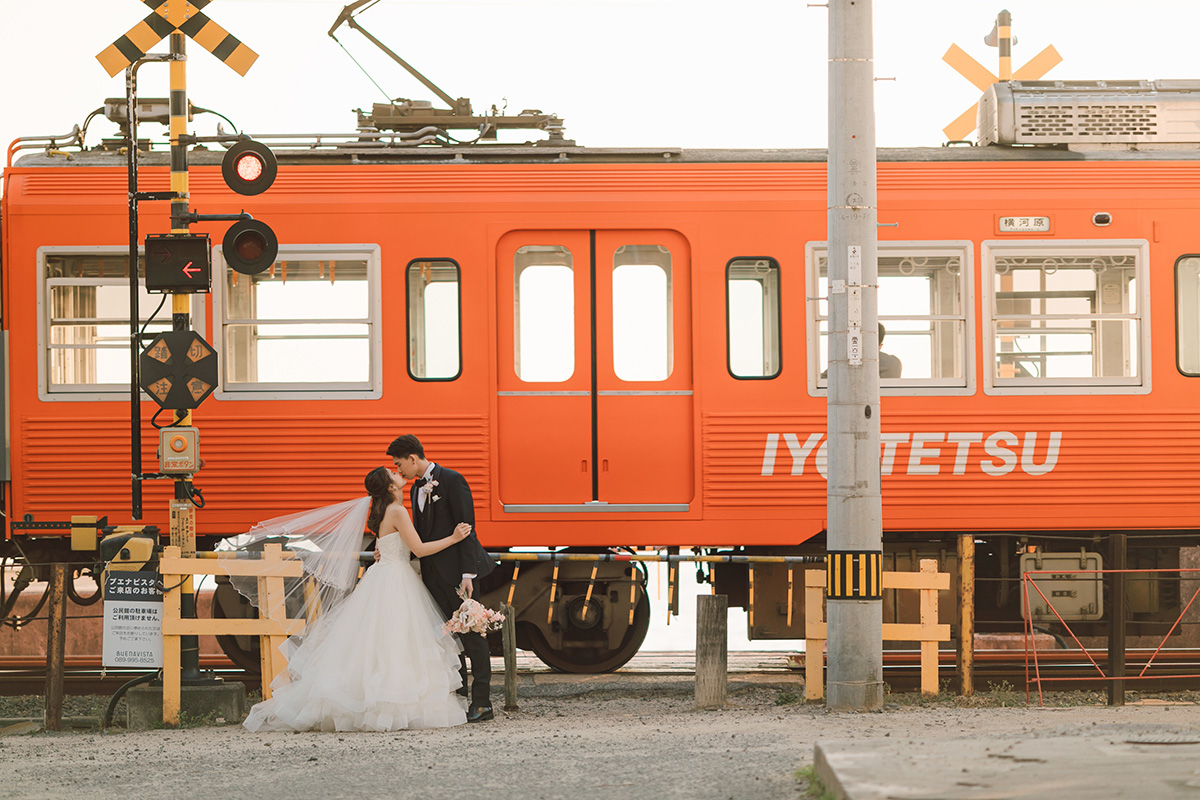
[
  {"x": 178, "y": 263},
  {"x": 249, "y": 246},
  {"x": 170, "y": 16},
  {"x": 1001, "y": 36},
  {"x": 179, "y": 369}
]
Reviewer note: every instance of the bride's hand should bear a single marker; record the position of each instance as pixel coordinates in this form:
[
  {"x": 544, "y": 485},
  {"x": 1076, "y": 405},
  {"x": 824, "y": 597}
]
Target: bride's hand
[{"x": 461, "y": 531}]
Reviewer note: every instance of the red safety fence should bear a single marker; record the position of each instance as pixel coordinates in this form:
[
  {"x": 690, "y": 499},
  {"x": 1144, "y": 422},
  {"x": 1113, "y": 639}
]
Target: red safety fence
[{"x": 1029, "y": 579}]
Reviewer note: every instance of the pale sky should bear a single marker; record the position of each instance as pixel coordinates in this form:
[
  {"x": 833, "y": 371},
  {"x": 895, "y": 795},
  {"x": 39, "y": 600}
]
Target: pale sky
[{"x": 685, "y": 73}]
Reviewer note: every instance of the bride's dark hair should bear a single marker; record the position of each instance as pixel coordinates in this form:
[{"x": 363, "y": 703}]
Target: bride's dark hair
[{"x": 379, "y": 486}]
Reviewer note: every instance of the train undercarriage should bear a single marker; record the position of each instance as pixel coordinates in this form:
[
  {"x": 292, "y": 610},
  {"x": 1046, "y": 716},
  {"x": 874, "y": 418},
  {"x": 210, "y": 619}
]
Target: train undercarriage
[{"x": 595, "y": 624}]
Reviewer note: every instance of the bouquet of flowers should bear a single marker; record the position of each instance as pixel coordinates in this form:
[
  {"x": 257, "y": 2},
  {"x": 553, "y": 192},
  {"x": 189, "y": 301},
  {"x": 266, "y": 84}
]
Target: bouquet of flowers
[{"x": 473, "y": 617}]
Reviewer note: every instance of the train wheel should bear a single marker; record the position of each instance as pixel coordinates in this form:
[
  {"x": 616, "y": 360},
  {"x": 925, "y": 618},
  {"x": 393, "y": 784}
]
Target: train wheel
[
  {"x": 594, "y": 660},
  {"x": 242, "y": 650},
  {"x": 82, "y": 600}
]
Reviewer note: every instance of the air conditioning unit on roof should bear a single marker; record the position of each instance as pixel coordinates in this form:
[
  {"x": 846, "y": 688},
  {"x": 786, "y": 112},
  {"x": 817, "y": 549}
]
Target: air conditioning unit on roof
[{"x": 1090, "y": 112}]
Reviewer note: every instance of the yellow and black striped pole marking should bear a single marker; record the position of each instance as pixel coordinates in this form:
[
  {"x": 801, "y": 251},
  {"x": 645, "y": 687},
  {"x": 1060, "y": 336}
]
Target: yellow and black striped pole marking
[
  {"x": 854, "y": 575},
  {"x": 632, "y": 598},
  {"x": 186, "y": 17},
  {"x": 179, "y": 165},
  {"x": 750, "y": 600},
  {"x": 553, "y": 590},
  {"x": 1004, "y": 29},
  {"x": 587, "y": 598},
  {"x": 671, "y": 572},
  {"x": 790, "y": 584},
  {"x": 512, "y": 587}
]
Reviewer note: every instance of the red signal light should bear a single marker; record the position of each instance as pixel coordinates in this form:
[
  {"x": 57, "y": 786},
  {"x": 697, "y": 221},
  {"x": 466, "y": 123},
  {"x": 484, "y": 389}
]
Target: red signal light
[
  {"x": 249, "y": 246},
  {"x": 249, "y": 167}
]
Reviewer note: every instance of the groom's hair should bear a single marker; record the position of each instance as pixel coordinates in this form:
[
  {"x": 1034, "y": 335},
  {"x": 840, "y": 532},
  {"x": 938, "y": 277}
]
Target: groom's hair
[{"x": 405, "y": 446}]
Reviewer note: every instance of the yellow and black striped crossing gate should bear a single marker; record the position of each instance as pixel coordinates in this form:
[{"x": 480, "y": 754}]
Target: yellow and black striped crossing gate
[
  {"x": 854, "y": 575},
  {"x": 170, "y": 16}
]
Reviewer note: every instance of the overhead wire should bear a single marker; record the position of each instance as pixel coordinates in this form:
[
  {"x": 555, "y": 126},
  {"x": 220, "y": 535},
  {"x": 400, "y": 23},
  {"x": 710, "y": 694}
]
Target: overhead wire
[{"x": 386, "y": 96}]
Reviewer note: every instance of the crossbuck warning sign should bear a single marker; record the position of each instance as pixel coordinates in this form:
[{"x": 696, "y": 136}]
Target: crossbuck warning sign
[{"x": 170, "y": 16}]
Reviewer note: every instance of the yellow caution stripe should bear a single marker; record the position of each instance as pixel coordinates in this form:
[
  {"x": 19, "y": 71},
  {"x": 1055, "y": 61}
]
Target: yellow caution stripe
[
  {"x": 854, "y": 575},
  {"x": 135, "y": 44},
  {"x": 168, "y": 18},
  {"x": 216, "y": 40}
]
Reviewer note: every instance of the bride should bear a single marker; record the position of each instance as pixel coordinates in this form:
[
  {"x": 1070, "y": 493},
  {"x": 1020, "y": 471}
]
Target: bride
[{"x": 375, "y": 658}]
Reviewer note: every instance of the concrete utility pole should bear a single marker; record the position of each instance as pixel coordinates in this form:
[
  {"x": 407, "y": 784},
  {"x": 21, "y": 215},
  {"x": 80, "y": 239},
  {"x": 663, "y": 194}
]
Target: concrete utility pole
[{"x": 854, "y": 515}]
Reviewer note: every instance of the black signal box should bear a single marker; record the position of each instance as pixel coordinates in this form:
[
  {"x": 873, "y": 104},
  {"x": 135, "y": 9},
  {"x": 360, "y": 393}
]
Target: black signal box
[{"x": 179, "y": 263}]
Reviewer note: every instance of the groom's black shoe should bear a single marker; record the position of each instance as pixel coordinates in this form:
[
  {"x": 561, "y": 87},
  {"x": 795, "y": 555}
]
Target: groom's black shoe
[{"x": 480, "y": 714}]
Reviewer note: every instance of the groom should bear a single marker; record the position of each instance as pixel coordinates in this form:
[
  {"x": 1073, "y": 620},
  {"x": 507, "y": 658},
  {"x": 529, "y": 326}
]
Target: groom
[{"x": 441, "y": 499}]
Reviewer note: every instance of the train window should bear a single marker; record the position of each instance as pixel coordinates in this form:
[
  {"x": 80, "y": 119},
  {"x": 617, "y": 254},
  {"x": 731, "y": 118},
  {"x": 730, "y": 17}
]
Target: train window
[
  {"x": 1065, "y": 313},
  {"x": 1187, "y": 314},
  {"x": 434, "y": 329},
  {"x": 544, "y": 296},
  {"x": 924, "y": 306},
  {"x": 752, "y": 317},
  {"x": 307, "y": 327},
  {"x": 642, "y": 313},
  {"x": 84, "y": 335}
]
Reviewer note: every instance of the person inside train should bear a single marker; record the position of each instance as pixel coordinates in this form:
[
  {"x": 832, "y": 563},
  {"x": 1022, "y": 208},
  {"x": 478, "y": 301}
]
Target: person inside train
[{"x": 890, "y": 366}]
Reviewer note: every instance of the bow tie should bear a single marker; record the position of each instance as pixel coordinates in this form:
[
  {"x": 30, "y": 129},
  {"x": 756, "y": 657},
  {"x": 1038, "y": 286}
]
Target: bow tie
[{"x": 421, "y": 482}]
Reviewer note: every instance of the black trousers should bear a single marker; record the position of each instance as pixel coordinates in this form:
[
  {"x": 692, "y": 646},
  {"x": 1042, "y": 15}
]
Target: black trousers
[{"x": 475, "y": 647}]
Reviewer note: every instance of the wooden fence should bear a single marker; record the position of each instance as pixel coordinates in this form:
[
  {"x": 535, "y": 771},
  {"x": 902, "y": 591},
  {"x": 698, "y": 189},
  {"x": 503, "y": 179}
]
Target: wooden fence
[
  {"x": 270, "y": 570},
  {"x": 928, "y": 631}
]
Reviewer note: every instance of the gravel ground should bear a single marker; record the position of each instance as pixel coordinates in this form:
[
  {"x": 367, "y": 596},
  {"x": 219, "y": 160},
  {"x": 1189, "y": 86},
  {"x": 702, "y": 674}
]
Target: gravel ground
[{"x": 571, "y": 742}]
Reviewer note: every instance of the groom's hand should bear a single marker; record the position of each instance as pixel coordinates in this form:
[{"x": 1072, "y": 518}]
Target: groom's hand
[
  {"x": 467, "y": 586},
  {"x": 376, "y": 555}
]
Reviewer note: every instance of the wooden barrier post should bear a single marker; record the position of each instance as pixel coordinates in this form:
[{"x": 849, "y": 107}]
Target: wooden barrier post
[
  {"x": 272, "y": 628},
  {"x": 271, "y": 597},
  {"x": 814, "y": 634},
  {"x": 172, "y": 603},
  {"x": 929, "y": 618},
  {"x": 56, "y": 640},
  {"x": 928, "y": 631},
  {"x": 510, "y": 658},
  {"x": 712, "y": 650},
  {"x": 966, "y": 614}
]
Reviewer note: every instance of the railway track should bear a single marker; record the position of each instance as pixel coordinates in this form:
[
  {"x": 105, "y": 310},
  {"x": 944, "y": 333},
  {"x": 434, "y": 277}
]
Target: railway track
[{"x": 1173, "y": 670}]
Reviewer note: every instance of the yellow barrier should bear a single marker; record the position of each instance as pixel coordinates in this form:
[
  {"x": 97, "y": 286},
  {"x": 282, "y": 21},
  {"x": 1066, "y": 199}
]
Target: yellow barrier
[
  {"x": 928, "y": 631},
  {"x": 270, "y": 570}
]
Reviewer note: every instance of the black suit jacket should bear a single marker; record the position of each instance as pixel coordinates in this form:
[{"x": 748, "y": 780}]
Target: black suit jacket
[{"x": 448, "y": 504}]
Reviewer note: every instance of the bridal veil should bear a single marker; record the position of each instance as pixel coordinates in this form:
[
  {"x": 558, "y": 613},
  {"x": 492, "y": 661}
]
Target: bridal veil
[{"x": 327, "y": 540}]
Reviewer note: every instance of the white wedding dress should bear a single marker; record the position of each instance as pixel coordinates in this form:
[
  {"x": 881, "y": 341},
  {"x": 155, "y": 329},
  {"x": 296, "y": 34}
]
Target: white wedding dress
[{"x": 378, "y": 662}]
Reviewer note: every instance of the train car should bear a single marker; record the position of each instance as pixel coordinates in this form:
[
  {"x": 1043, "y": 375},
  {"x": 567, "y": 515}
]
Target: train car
[{"x": 626, "y": 348}]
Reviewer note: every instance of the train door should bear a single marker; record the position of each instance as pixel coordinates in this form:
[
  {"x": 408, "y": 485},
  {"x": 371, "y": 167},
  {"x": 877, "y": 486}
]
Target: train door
[{"x": 594, "y": 371}]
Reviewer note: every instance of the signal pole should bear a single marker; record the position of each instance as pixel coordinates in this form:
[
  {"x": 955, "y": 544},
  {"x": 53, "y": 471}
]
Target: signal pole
[
  {"x": 183, "y": 514},
  {"x": 854, "y": 517}
]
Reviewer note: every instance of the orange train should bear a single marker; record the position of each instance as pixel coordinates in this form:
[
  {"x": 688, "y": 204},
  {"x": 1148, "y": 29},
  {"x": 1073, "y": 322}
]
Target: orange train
[{"x": 627, "y": 348}]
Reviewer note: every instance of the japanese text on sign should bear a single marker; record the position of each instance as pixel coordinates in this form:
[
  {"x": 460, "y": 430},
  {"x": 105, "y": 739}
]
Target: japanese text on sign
[{"x": 1024, "y": 224}]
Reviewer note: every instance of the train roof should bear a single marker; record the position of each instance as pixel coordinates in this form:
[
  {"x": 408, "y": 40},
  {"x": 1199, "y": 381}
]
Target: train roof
[
  {"x": 1023, "y": 121},
  {"x": 343, "y": 153}
]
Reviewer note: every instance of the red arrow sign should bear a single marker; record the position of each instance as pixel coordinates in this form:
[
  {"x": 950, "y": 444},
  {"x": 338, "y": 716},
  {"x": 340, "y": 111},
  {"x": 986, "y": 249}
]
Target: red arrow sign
[{"x": 189, "y": 270}]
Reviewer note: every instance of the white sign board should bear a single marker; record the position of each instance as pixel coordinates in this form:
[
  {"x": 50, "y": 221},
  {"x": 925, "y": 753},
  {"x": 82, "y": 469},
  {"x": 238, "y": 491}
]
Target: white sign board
[
  {"x": 1024, "y": 224},
  {"x": 132, "y": 620}
]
